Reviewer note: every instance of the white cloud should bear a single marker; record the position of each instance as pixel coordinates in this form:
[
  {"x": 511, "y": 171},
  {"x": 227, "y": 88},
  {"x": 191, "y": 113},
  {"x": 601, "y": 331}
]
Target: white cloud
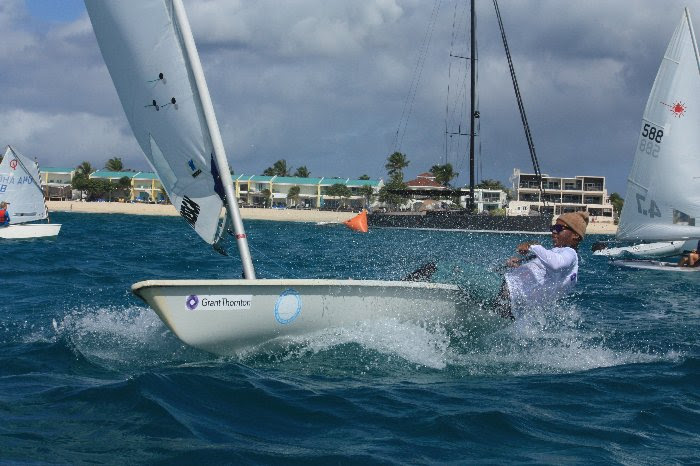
[
  {"x": 65, "y": 140},
  {"x": 324, "y": 83}
]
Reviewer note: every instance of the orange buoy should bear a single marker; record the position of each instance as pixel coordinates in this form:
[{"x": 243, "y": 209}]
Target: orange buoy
[{"x": 358, "y": 222}]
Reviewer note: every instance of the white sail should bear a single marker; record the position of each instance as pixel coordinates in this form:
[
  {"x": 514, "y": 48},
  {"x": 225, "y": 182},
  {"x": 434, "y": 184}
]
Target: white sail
[
  {"x": 20, "y": 187},
  {"x": 150, "y": 53},
  {"x": 663, "y": 188},
  {"x": 143, "y": 48}
]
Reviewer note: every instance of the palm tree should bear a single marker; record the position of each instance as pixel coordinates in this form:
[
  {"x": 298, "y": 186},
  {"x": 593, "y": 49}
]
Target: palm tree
[
  {"x": 387, "y": 193},
  {"x": 124, "y": 184},
  {"x": 491, "y": 184},
  {"x": 268, "y": 195},
  {"x": 443, "y": 173},
  {"x": 111, "y": 187},
  {"x": 368, "y": 193},
  {"x": 293, "y": 194},
  {"x": 84, "y": 169},
  {"x": 114, "y": 164},
  {"x": 395, "y": 164},
  {"x": 279, "y": 168},
  {"x": 339, "y": 190},
  {"x": 617, "y": 201},
  {"x": 82, "y": 175},
  {"x": 302, "y": 172},
  {"x": 164, "y": 195},
  {"x": 364, "y": 177}
]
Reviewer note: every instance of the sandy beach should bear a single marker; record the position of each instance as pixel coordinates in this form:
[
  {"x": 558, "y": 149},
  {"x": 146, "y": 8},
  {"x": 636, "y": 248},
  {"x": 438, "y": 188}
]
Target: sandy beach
[{"x": 287, "y": 215}]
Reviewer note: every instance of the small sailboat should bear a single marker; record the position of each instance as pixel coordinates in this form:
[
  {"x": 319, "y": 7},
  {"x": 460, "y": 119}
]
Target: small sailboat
[
  {"x": 653, "y": 265},
  {"x": 654, "y": 249},
  {"x": 662, "y": 204},
  {"x": 151, "y": 56},
  {"x": 20, "y": 188}
]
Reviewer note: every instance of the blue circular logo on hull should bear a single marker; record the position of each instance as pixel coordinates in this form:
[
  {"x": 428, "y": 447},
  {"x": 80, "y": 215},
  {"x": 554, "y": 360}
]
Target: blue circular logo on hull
[{"x": 288, "y": 306}]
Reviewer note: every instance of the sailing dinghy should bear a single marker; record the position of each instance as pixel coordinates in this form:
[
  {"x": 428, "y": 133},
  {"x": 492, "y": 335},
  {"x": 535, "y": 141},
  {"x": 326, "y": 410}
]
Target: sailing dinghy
[
  {"x": 655, "y": 249},
  {"x": 662, "y": 204},
  {"x": 20, "y": 187},
  {"x": 653, "y": 265},
  {"x": 151, "y": 56}
]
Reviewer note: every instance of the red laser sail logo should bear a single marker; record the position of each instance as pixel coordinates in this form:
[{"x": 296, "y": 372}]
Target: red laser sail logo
[{"x": 678, "y": 108}]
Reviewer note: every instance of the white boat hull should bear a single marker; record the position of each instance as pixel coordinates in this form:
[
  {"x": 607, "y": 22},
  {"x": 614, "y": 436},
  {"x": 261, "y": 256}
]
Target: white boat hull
[
  {"x": 660, "y": 249},
  {"x": 30, "y": 230},
  {"x": 223, "y": 316},
  {"x": 654, "y": 265}
]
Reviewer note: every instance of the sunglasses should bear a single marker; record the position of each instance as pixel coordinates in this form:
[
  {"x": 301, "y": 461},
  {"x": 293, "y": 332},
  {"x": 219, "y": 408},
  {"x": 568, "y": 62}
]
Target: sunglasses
[{"x": 557, "y": 228}]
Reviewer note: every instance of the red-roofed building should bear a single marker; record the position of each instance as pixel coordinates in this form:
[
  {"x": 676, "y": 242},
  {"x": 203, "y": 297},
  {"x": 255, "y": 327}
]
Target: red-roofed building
[
  {"x": 425, "y": 181},
  {"x": 425, "y": 188}
]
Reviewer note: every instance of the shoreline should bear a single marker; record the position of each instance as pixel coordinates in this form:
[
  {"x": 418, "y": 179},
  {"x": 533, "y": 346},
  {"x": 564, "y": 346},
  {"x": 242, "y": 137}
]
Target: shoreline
[{"x": 284, "y": 215}]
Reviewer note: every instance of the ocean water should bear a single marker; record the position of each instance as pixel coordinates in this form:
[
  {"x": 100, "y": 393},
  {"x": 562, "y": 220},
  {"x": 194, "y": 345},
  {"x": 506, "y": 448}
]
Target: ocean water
[{"x": 89, "y": 374}]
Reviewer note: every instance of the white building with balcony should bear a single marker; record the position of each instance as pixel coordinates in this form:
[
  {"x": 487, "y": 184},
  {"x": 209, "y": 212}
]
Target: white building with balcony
[
  {"x": 260, "y": 190},
  {"x": 561, "y": 195},
  {"x": 56, "y": 182}
]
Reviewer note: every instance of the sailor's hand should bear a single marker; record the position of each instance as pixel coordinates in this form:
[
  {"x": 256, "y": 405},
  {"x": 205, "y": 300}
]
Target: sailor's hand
[
  {"x": 513, "y": 262},
  {"x": 524, "y": 248}
]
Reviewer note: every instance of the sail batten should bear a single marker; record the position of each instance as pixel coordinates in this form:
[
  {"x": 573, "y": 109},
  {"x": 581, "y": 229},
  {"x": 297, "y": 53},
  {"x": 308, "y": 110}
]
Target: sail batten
[
  {"x": 663, "y": 190},
  {"x": 143, "y": 50}
]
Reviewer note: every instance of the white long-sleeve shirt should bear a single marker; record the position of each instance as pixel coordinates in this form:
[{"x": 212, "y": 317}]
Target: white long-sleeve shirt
[{"x": 549, "y": 276}]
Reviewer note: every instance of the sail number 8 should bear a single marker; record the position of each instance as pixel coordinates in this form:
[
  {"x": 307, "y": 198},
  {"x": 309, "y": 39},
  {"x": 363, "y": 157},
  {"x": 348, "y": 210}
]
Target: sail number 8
[
  {"x": 652, "y": 133},
  {"x": 652, "y": 211},
  {"x": 650, "y": 140}
]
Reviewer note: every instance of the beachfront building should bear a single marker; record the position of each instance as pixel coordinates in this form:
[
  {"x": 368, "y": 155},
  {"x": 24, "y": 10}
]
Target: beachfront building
[
  {"x": 562, "y": 194},
  {"x": 486, "y": 200},
  {"x": 56, "y": 183},
  {"x": 424, "y": 181},
  {"x": 425, "y": 193},
  {"x": 251, "y": 190},
  {"x": 143, "y": 186},
  {"x": 312, "y": 193}
]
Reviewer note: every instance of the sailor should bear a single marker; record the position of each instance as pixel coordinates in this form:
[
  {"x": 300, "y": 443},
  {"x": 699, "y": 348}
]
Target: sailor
[
  {"x": 543, "y": 275},
  {"x": 4, "y": 215},
  {"x": 599, "y": 246},
  {"x": 691, "y": 259}
]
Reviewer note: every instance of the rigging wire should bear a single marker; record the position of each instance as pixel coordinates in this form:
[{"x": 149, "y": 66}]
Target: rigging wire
[
  {"x": 453, "y": 145},
  {"x": 448, "y": 137},
  {"x": 417, "y": 73},
  {"x": 287, "y": 272},
  {"x": 521, "y": 107}
]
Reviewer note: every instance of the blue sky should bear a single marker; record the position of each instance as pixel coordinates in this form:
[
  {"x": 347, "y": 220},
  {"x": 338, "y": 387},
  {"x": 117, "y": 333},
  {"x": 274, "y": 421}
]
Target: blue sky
[
  {"x": 55, "y": 10},
  {"x": 324, "y": 84}
]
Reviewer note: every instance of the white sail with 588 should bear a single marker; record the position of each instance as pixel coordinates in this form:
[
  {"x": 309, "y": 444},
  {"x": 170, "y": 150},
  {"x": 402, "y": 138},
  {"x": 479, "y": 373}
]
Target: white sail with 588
[{"x": 663, "y": 189}]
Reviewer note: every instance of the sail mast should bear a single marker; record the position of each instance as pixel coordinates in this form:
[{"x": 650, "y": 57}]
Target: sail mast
[
  {"x": 692, "y": 37},
  {"x": 217, "y": 143},
  {"x": 521, "y": 108},
  {"x": 472, "y": 114}
]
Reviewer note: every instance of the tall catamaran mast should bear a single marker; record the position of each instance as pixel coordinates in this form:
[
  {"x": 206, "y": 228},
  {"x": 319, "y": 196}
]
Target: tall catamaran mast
[
  {"x": 521, "y": 107},
  {"x": 213, "y": 129},
  {"x": 473, "y": 112}
]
